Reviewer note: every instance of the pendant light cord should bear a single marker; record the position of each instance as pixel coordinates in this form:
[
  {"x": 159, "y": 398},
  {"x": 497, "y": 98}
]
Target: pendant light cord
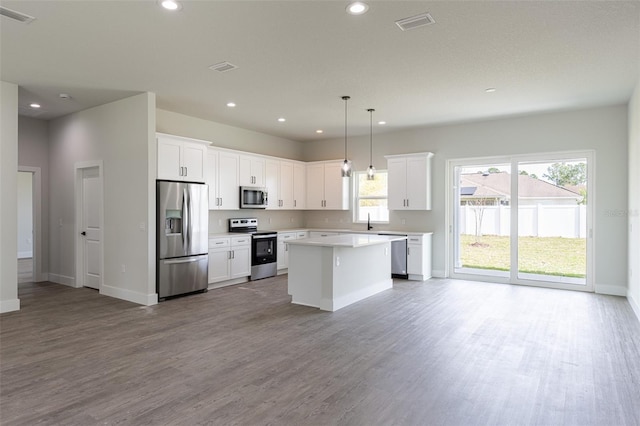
[
  {"x": 346, "y": 98},
  {"x": 371, "y": 136}
]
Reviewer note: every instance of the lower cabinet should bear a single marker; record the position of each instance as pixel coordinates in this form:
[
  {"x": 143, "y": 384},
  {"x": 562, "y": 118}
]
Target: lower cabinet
[
  {"x": 283, "y": 248},
  {"x": 229, "y": 258},
  {"x": 419, "y": 257}
]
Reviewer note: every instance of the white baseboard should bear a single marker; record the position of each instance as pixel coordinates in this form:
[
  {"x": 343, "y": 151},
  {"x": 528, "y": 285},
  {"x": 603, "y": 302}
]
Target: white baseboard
[
  {"x": 9, "y": 305},
  {"x": 611, "y": 290},
  {"x": 25, "y": 254},
  {"x": 634, "y": 304},
  {"x": 62, "y": 279},
  {"x": 130, "y": 296},
  {"x": 438, "y": 273}
]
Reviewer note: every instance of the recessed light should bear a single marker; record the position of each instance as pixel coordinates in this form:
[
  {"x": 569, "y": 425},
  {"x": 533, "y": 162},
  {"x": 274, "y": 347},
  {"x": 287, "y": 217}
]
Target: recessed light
[
  {"x": 490, "y": 90},
  {"x": 231, "y": 104},
  {"x": 357, "y": 8},
  {"x": 34, "y": 105},
  {"x": 170, "y": 4},
  {"x": 64, "y": 96},
  {"x": 319, "y": 131},
  {"x": 282, "y": 119},
  {"x": 382, "y": 123}
]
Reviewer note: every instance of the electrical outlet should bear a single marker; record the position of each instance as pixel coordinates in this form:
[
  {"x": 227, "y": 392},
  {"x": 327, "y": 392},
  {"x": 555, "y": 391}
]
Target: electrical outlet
[
  {"x": 291, "y": 219},
  {"x": 219, "y": 222},
  {"x": 124, "y": 268},
  {"x": 269, "y": 221},
  {"x": 326, "y": 220},
  {"x": 404, "y": 221},
  {"x": 142, "y": 226}
]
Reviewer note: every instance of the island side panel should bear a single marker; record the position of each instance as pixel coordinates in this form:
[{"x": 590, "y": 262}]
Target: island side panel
[
  {"x": 310, "y": 268},
  {"x": 358, "y": 273}
]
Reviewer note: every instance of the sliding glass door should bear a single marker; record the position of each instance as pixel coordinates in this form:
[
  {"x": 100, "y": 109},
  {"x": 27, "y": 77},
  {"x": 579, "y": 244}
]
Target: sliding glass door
[{"x": 523, "y": 220}]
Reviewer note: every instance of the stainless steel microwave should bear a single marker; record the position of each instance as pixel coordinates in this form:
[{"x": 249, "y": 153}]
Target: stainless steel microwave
[{"x": 252, "y": 197}]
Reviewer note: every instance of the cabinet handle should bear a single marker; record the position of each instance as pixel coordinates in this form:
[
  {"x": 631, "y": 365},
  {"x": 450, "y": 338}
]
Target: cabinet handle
[
  {"x": 407, "y": 202},
  {"x": 186, "y": 171},
  {"x": 295, "y": 203},
  {"x": 233, "y": 254},
  {"x": 286, "y": 247},
  {"x": 408, "y": 250}
]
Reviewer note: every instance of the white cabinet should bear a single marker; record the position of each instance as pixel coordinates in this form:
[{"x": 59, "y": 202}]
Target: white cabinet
[
  {"x": 283, "y": 248},
  {"x": 222, "y": 177},
  {"x": 285, "y": 186},
  {"x": 409, "y": 181},
  {"x": 326, "y": 188},
  {"x": 240, "y": 257},
  {"x": 229, "y": 258},
  {"x": 299, "y": 186},
  {"x": 252, "y": 170},
  {"x": 181, "y": 159},
  {"x": 272, "y": 183},
  {"x": 279, "y": 181},
  {"x": 419, "y": 257},
  {"x": 219, "y": 265}
]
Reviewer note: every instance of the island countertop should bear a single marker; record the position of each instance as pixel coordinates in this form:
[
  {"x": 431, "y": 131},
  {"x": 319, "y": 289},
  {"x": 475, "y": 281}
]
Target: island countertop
[{"x": 347, "y": 240}]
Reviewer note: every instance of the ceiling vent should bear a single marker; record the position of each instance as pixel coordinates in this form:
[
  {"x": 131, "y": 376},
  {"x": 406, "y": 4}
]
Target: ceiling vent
[
  {"x": 223, "y": 67},
  {"x": 18, "y": 16},
  {"x": 417, "y": 21}
]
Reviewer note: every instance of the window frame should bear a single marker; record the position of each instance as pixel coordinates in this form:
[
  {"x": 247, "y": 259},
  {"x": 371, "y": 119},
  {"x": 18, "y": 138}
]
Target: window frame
[{"x": 356, "y": 198}]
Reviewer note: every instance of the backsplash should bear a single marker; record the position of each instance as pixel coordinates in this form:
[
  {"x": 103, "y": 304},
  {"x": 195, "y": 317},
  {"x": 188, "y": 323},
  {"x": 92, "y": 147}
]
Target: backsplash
[
  {"x": 267, "y": 219},
  {"x": 408, "y": 221}
]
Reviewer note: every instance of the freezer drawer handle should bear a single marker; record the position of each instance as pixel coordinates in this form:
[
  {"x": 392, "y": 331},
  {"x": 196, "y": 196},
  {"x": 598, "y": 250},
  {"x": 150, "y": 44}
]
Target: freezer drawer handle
[{"x": 173, "y": 262}]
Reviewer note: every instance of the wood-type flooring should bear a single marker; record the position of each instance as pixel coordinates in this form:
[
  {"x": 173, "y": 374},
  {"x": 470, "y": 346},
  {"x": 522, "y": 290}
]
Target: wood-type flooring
[{"x": 442, "y": 352}]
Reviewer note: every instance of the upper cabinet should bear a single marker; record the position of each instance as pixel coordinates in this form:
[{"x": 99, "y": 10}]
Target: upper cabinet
[
  {"x": 222, "y": 178},
  {"x": 409, "y": 181},
  {"x": 181, "y": 159},
  {"x": 281, "y": 181},
  {"x": 326, "y": 188},
  {"x": 299, "y": 186},
  {"x": 252, "y": 171}
]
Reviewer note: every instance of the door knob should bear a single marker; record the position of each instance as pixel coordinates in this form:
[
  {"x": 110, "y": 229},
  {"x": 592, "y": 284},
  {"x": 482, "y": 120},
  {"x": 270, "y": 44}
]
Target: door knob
[{"x": 83, "y": 233}]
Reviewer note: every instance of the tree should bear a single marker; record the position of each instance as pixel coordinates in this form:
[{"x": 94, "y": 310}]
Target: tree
[{"x": 563, "y": 174}]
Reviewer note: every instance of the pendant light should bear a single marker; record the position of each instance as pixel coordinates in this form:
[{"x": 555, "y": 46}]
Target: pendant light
[
  {"x": 371, "y": 171},
  {"x": 346, "y": 166}
]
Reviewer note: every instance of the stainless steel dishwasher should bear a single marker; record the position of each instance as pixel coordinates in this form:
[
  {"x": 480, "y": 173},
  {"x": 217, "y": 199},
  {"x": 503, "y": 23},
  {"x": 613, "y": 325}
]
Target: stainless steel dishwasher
[{"x": 399, "y": 257}]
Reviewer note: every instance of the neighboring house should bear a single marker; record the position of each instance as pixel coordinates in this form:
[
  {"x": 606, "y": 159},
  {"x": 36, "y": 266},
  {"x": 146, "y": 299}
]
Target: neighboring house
[{"x": 492, "y": 189}]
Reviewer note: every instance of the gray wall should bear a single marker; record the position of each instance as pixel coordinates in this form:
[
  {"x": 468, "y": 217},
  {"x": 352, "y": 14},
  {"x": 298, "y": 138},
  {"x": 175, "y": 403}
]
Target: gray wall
[
  {"x": 604, "y": 130},
  {"x": 122, "y": 135},
  {"x": 225, "y": 136},
  {"x": 9, "y": 190},
  {"x": 33, "y": 151},
  {"x": 634, "y": 200}
]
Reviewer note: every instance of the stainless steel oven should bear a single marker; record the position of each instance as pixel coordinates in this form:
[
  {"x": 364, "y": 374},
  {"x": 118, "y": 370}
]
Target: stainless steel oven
[{"x": 264, "y": 244}]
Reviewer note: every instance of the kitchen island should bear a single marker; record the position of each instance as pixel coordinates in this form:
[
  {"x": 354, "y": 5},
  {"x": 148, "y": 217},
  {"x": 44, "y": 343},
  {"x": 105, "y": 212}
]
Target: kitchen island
[{"x": 333, "y": 272}]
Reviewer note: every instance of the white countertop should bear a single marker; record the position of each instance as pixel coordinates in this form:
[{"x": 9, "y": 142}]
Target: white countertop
[
  {"x": 355, "y": 231},
  {"x": 347, "y": 240}
]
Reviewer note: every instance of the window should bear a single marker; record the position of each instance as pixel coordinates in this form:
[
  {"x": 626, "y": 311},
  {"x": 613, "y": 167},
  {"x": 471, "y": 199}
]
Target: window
[{"x": 371, "y": 198}]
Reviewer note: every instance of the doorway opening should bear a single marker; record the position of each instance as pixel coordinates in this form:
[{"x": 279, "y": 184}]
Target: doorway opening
[{"x": 25, "y": 227}]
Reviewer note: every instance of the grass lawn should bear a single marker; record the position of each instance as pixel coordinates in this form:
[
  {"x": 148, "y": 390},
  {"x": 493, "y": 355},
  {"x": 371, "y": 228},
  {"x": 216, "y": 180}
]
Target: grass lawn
[{"x": 537, "y": 255}]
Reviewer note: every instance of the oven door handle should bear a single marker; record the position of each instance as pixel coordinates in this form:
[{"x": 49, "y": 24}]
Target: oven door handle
[{"x": 260, "y": 237}]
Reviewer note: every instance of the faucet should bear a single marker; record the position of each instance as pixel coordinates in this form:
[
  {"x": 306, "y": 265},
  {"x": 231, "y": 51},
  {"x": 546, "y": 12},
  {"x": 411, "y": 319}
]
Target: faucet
[{"x": 369, "y": 227}]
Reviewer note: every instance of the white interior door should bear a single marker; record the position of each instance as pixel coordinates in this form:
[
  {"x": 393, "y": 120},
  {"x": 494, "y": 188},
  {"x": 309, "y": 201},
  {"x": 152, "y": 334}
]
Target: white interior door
[{"x": 91, "y": 228}]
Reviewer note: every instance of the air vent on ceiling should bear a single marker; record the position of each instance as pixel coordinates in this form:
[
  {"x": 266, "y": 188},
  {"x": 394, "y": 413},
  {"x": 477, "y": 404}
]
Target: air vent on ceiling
[
  {"x": 417, "y": 21},
  {"x": 18, "y": 16},
  {"x": 223, "y": 67}
]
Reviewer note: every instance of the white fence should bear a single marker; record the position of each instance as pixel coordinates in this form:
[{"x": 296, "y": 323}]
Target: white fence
[{"x": 540, "y": 220}]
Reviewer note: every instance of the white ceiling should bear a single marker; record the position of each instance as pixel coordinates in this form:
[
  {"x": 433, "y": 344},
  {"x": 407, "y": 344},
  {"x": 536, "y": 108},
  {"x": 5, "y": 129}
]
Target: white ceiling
[{"x": 297, "y": 58}]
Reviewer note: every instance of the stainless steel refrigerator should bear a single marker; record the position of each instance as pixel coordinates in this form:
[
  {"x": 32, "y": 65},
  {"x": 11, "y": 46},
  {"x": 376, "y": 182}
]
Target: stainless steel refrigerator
[{"x": 182, "y": 238}]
